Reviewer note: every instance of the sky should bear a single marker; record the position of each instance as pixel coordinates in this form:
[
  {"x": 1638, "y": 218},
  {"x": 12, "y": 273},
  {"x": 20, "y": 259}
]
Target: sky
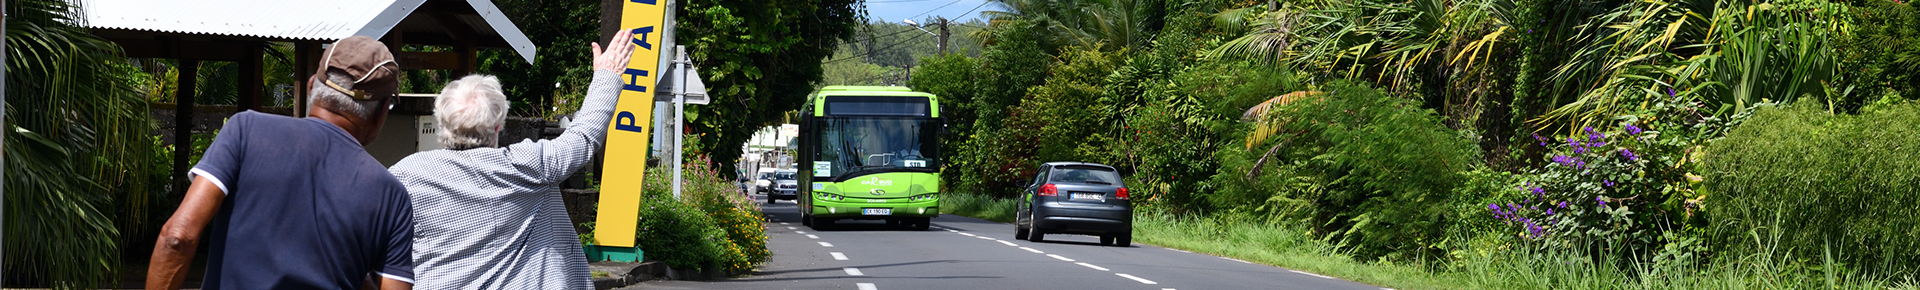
[{"x": 919, "y": 10}]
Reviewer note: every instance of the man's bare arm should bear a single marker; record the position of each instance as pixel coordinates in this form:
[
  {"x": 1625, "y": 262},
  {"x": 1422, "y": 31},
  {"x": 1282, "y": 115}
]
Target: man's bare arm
[
  {"x": 391, "y": 284},
  {"x": 180, "y": 237}
]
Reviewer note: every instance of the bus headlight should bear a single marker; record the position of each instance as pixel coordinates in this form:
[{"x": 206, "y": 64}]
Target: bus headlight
[{"x": 923, "y": 197}]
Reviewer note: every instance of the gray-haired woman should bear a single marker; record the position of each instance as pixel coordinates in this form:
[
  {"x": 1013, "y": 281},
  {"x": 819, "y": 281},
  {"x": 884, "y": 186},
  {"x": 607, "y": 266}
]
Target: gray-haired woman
[{"x": 490, "y": 217}]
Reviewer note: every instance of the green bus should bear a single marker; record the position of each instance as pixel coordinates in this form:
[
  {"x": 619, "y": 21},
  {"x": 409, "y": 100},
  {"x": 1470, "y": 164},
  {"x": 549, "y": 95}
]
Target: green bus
[{"x": 869, "y": 153}]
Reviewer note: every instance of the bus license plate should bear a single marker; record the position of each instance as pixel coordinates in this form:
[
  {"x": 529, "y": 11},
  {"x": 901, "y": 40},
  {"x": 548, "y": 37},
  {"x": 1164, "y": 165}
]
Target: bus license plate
[
  {"x": 876, "y": 211},
  {"x": 1092, "y": 196}
]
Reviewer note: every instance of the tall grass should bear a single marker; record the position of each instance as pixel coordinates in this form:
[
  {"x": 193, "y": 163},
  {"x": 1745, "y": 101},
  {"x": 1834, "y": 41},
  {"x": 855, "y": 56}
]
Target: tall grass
[{"x": 977, "y": 205}]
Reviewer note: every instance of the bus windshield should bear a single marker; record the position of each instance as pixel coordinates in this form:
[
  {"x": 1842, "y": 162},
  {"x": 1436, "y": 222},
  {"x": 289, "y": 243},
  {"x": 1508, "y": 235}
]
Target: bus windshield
[{"x": 850, "y": 145}]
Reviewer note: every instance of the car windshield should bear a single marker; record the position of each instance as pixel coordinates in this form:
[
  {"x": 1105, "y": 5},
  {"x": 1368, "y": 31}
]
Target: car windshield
[
  {"x": 1084, "y": 174},
  {"x": 783, "y": 175},
  {"x": 854, "y": 144}
]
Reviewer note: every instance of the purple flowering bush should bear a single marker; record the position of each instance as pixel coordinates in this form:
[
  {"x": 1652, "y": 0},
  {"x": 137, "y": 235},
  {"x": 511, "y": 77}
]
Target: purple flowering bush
[{"x": 1621, "y": 186}]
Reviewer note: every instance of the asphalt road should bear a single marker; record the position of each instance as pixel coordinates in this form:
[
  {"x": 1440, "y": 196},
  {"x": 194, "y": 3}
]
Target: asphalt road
[{"x": 968, "y": 253}]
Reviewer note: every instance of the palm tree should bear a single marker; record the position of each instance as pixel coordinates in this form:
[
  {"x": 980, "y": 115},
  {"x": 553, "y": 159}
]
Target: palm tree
[
  {"x": 1109, "y": 25},
  {"x": 77, "y": 135}
]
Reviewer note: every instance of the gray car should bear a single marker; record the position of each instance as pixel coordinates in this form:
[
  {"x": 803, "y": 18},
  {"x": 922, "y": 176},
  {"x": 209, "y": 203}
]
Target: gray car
[
  {"x": 785, "y": 186},
  {"x": 1075, "y": 198}
]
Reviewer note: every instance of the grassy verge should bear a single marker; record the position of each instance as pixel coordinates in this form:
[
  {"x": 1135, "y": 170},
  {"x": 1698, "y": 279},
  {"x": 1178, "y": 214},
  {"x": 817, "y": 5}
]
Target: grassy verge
[
  {"x": 1481, "y": 267},
  {"x": 977, "y": 206}
]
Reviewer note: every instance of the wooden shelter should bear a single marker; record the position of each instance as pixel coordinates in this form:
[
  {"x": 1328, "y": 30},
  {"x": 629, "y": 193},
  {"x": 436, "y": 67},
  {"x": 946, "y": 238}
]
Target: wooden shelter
[{"x": 240, "y": 31}]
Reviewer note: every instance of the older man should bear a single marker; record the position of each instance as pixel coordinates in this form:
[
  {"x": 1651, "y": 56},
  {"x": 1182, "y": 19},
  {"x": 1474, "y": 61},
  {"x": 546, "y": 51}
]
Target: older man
[
  {"x": 489, "y": 217},
  {"x": 298, "y": 203}
]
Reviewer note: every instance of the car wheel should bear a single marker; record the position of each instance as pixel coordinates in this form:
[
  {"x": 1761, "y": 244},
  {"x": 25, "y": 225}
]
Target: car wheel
[
  {"x": 1106, "y": 240},
  {"x": 1019, "y": 232},
  {"x": 1035, "y": 235},
  {"x": 1124, "y": 240}
]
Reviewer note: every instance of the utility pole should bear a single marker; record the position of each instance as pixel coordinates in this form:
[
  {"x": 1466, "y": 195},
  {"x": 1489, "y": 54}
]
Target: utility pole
[{"x": 943, "y": 35}]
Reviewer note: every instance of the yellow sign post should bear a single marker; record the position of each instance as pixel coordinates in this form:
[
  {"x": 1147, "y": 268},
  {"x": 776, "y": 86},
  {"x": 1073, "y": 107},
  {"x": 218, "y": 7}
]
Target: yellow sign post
[{"x": 626, "y": 153}]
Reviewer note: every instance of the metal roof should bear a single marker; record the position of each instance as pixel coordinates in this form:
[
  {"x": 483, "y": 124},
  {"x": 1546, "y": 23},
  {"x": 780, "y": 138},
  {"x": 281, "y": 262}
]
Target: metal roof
[{"x": 285, "y": 20}]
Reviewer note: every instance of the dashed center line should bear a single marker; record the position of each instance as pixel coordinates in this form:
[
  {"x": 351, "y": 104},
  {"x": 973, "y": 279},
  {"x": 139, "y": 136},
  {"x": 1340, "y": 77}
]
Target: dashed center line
[
  {"x": 1092, "y": 266},
  {"x": 1142, "y": 281},
  {"x": 799, "y": 232},
  {"x": 951, "y": 230},
  {"x": 1032, "y": 250},
  {"x": 1312, "y": 274},
  {"x": 838, "y": 256},
  {"x": 825, "y": 244},
  {"x": 866, "y": 286},
  {"x": 1059, "y": 257},
  {"x": 792, "y": 228},
  {"x": 985, "y": 238},
  {"x": 784, "y": 223},
  {"x": 813, "y": 237},
  {"x": 969, "y": 234},
  {"x": 853, "y": 272},
  {"x": 1010, "y": 244}
]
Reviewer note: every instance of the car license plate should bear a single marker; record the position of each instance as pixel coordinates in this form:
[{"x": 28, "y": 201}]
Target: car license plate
[
  {"x": 1092, "y": 196},
  {"x": 876, "y": 211}
]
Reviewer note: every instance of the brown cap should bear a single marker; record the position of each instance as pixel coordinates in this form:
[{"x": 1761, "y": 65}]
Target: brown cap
[{"x": 367, "y": 61}]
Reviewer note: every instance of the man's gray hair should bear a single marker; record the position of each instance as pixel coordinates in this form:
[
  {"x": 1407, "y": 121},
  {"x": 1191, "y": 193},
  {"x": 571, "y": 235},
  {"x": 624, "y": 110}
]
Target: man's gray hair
[
  {"x": 319, "y": 95},
  {"x": 470, "y": 112}
]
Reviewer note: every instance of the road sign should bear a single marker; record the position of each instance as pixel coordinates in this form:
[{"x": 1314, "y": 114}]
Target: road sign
[{"x": 626, "y": 156}]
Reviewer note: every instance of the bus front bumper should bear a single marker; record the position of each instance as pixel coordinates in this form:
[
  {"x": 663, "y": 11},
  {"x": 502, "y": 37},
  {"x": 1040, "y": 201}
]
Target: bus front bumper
[{"x": 861, "y": 210}]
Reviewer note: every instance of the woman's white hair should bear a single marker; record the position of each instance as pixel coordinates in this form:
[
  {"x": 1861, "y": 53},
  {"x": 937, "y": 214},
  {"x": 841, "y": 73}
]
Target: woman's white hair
[{"x": 470, "y": 112}]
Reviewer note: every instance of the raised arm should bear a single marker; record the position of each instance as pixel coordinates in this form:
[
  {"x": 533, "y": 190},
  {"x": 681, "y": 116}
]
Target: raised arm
[{"x": 566, "y": 154}]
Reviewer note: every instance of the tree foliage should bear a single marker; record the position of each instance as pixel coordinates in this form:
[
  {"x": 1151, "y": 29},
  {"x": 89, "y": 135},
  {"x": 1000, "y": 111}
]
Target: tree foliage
[
  {"x": 76, "y": 134},
  {"x": 761, "y": 60}
]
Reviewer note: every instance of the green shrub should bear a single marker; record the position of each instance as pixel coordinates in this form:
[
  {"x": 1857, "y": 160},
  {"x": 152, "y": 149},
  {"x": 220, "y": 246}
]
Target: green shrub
[
  {"x": 711, "y": 225},
  {"x": 1372, "y": 171},
  {"x": 1821, "y": 180}
]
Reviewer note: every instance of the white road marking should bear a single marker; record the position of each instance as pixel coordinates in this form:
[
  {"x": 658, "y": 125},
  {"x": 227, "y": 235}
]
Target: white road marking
[
  {"x": 1142, "y": 281},
  {"x": 1312, "y": 274},
  {"x": 1092, "y": 266},
  {"x": 1236, "y": 260},
  {"x": 825, "y": 244},
  {"x": 985, "y": 238},
  {"x": 1177, "y": 250},
  {"x": 784, "y": 223},
  {"x": 853, "y": 272},
  {"x": 1032, "y": 250},
  {"x": 969, "y": 234},
  {"x": 1010, "y": 244},
  {"x": 837, "y": 256},
  {"x": 799, "y": 232},
  {"x": 1059, "y": 257},
  {"x": 792, "y": 228},
  {"x": 813, "y": 237},
  {"x": 866, "y": 286},
  {"x": 951, "y": 230}
]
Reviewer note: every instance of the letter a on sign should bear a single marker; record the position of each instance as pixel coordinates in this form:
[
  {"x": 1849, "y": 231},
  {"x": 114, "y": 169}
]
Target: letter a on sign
[{"x": 626, "y": 159}]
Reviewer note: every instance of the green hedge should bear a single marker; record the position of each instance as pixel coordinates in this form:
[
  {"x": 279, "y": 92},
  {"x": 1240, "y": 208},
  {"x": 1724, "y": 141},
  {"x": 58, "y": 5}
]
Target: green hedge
[
  {"x": 1799, "y": 180},
  {"x": 712, "y": 226}
]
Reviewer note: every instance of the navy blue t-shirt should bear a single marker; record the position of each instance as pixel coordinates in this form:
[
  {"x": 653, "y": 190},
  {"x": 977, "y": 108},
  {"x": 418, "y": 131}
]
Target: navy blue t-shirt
[{"x": 306, "y": 208}]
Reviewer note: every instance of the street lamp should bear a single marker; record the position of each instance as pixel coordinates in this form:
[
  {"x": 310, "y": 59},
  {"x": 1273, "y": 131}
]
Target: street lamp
[{"x": 917, "y": 26}]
